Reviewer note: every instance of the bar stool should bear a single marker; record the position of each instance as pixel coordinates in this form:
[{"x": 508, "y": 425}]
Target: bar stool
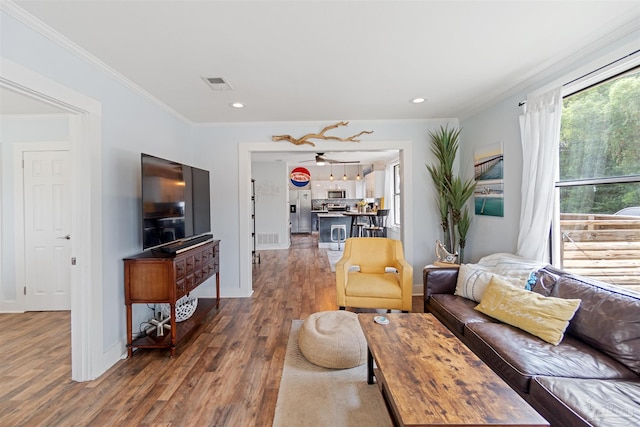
[
  {"x": 360, "y": 226},
  {"x": 353, "y": 231},
  {"x": 342, "y": 230},
  {"x": 379, "y": 229}
]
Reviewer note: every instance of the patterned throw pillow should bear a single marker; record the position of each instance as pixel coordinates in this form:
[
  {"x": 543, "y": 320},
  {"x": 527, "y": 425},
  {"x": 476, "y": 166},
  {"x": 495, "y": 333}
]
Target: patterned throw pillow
[
  {"x": 544, "y": 317},
  {"x": 473, "y": 280}
]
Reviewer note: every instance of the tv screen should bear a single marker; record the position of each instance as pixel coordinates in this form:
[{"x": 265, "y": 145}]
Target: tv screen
[{"x": 175, "y": 201}]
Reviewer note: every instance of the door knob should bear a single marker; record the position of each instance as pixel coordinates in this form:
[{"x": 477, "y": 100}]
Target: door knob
[{"x": 67, "y": 237}]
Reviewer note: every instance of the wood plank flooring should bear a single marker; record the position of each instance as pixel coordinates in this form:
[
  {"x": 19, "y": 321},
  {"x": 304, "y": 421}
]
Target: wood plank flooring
[{"x": 226, "y": 374}]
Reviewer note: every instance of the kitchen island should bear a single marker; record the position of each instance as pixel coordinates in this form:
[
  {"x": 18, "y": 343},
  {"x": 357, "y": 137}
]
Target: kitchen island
[
  {"x": 314, "y": 218},
  {"x": 325, "y": 221}
]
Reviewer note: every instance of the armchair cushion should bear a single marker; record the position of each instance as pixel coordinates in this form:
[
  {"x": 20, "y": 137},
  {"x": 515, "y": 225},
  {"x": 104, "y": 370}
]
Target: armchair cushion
[{"x": 385, "y": 285}]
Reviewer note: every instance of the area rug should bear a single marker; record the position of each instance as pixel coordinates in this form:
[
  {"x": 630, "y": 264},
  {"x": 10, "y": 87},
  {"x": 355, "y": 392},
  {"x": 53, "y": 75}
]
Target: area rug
[
  {"x": 334, "y": 257},
  {"x": 313, "y": 396}
]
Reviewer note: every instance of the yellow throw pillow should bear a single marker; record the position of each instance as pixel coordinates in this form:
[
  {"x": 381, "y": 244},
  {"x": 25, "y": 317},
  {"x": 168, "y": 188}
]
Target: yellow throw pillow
[{"x": 544, "y": 317}]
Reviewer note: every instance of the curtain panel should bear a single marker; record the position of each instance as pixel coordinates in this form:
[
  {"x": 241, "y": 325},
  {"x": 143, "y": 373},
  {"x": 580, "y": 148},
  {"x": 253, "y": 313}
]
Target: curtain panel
[{"x": 540, "y": 136}]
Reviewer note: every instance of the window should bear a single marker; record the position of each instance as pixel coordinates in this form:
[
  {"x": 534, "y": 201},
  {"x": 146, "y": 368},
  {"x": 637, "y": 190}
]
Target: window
[
  {"x": 396, "y": 194},
  {"x": 599, "y": 181}
]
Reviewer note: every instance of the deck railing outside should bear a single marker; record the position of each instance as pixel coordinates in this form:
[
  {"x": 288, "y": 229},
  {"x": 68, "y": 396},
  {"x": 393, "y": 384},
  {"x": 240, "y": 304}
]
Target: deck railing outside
[{"x": 604, "y": 247}]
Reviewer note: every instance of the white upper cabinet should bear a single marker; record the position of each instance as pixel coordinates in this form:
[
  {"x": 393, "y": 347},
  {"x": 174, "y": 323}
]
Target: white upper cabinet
[
  {"x": 360, "y": 189},
  {"x": 374, "y": 184},
  {"x": 318, "y": 190},
  {"x": 350, "y": 186}
]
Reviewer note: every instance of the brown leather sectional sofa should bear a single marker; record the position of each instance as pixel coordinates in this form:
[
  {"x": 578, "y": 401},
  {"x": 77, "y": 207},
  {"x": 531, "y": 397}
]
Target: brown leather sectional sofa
[{"x": 592, "y": 378}]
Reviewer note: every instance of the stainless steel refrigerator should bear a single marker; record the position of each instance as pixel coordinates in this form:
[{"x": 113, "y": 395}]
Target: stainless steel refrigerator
[{"x": 300, "y": 211}]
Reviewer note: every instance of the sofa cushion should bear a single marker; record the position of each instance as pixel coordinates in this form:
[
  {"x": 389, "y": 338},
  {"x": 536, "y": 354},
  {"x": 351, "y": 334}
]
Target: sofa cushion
[
  {"x": 587, "y": 402},
  {"x": 544, "y": 317},
  {"x": 608, "y": 318},
  {"x": 510, "y": 265},
  {"x": 517, "y": 356},
  {"x": 455, "y": 311},
  {"x": 473, "y": 281}
]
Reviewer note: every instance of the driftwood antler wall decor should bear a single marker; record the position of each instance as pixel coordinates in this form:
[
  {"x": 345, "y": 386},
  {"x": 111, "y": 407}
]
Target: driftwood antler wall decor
[{"x": 321, "y": 135}]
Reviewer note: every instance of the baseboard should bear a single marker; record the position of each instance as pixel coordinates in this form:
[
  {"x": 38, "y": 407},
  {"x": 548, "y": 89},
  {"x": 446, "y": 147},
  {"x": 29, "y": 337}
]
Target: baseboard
[
  {"x": 117, "y": 352},
  {"x": 418, "y": 289},
  {"x": 272, "y": 247},
  {"x": 11, "y": 307}
]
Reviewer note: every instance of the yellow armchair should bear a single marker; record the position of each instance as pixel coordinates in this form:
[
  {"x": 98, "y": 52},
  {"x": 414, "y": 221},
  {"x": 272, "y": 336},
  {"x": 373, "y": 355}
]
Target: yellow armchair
[{"x": 374, "y": 286}]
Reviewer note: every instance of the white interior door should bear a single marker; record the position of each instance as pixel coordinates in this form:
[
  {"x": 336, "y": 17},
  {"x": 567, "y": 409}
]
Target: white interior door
[{"x": 47, "y": 223}]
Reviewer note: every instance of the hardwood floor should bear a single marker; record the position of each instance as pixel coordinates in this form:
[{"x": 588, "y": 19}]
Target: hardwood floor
[{"x": 226, "y": 374}]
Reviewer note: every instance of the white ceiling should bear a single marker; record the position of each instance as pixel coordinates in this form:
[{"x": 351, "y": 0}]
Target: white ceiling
[{"x": 335, "y": 60}]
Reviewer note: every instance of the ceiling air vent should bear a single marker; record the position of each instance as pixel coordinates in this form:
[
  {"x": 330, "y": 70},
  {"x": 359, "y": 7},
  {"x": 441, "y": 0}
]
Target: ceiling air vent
[{"x": 217, "y": 83}]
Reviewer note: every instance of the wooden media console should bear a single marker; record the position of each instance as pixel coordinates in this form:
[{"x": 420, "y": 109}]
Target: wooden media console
[{"x": 154, "y": 277}]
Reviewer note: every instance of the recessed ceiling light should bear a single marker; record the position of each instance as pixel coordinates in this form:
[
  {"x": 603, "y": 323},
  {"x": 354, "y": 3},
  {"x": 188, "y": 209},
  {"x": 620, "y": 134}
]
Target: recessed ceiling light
[
  {"x": 418, "y": 100},
  {"x": 237, "y": 105}
]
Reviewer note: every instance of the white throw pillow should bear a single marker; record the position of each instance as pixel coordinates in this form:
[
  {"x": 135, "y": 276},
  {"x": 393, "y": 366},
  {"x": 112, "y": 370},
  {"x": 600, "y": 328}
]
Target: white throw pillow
[
  {"x": 473, "y": 281},
  {"x": 510, "y": 265}
]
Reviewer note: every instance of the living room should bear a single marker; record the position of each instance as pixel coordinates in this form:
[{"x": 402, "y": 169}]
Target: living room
[{"x": 118, "y": 121}]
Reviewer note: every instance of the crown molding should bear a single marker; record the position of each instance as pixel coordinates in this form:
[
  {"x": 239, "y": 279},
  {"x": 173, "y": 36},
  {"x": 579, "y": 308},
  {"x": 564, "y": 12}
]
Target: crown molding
[
  {"x": 324, "y": 122},
  {"x": 37, "y": 116},
  {"x": 54, "y": 36}
]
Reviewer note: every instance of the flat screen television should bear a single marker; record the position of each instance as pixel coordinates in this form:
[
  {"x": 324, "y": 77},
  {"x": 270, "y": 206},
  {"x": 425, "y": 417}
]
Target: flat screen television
[{"x": 175, "y": 201}]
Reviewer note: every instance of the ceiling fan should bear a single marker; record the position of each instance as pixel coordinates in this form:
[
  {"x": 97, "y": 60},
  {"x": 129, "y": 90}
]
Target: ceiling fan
[{"x": 321, "y": 160}]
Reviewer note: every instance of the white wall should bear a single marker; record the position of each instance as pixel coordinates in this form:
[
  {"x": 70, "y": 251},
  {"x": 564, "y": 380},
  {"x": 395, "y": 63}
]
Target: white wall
[
  {"x": 500, "y": 123},
  {"x": 489, "y": 234},
  {"x": 271, "y": 202},
  {"x": 132, "y": 123}
]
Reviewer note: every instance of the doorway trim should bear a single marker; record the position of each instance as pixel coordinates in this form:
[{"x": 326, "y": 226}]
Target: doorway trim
[
  {"x": 244, "y": 192},
  {"x": 87, "y": 357}
]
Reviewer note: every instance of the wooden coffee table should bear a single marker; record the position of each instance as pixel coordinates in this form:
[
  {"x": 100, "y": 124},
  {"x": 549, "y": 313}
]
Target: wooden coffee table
[{"x": 428, "y": 377}]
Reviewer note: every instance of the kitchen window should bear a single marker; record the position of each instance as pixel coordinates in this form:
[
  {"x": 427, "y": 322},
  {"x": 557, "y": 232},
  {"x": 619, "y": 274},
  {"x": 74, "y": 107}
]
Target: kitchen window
[{"x": 599, "y": 181}]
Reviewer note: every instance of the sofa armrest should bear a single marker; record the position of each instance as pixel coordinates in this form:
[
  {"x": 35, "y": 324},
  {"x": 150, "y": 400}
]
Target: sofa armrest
[{"x": 439, "y": 280}]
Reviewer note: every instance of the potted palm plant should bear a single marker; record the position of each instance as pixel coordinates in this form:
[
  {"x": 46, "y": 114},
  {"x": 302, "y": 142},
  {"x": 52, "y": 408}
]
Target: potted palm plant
[{"x": 453, "y": 192}]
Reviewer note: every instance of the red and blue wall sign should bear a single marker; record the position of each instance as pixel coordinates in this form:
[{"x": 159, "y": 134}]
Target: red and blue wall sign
[{"x": 300, "y": 177}]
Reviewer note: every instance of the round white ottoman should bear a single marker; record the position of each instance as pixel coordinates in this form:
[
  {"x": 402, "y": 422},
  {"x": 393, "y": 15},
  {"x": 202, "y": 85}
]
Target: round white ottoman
[{"x": 333, "y": 339}]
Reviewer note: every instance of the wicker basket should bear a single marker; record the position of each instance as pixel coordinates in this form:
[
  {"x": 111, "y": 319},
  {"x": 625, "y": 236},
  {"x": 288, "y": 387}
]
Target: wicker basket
[{"x": 185, "y": 307}]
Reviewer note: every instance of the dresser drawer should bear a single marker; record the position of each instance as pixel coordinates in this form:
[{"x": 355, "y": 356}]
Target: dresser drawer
[{"x": 180, "y": 268}]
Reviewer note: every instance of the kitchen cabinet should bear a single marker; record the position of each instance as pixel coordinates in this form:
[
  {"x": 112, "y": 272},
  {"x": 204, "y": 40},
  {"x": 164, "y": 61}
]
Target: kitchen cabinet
[
  {"x": 375, "y": 184},
  {"x": 318, "y": 189},
  {"x": 361, "y": 191},
  {"x": 350, "y": 187}
]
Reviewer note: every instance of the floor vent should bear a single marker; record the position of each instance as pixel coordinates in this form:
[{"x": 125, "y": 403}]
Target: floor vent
[{"x": 268, "y": 239}]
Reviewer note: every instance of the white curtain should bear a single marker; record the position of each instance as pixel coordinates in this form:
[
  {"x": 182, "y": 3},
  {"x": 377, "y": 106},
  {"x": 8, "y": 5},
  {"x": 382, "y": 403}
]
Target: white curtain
[{"x": 540, "y": 134}]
